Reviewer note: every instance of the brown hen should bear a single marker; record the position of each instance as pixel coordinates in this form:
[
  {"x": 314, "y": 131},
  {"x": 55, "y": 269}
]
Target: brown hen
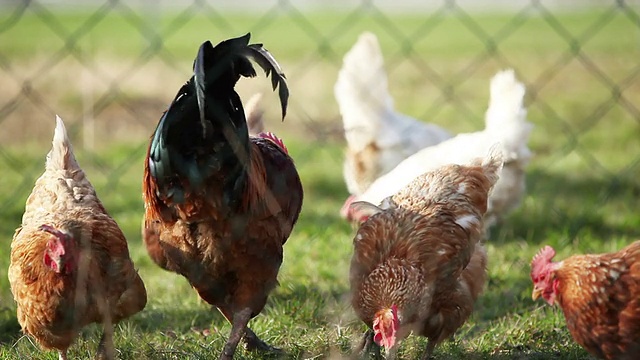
[
  {"x": 599, "y": 295},
  {"x": 70, "y": 262},
  {"x": 418, "y": 265}
]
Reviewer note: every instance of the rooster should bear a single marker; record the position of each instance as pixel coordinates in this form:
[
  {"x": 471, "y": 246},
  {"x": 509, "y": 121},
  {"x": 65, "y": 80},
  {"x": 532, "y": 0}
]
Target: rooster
[
  {"x": 418, "y": 264},
  {"x": 505, "y": 123},
  {"x": 70, "y": 263},
  {"x": 599, "y": 295},
  {"x": 219, "y": 204},
  {"x": 378, "y": 137}
]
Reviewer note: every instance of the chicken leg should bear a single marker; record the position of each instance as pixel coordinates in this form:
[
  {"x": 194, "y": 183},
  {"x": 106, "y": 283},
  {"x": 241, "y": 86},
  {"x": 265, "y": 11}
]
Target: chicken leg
[
  {"x": 365, "y": 346},
  {"x": 429, "y": 350},
  {"x": 106, "y": 350},
  {"x": 251, "y": 341},
  {"x": 62, "y": 354},
  {"x": 238, "y": 329}
]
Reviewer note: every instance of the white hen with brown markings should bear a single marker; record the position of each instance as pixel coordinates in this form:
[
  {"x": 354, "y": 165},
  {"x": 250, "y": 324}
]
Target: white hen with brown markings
[
  {"x": 505, "y": 122},
  {"x": 378, "y": 137}
]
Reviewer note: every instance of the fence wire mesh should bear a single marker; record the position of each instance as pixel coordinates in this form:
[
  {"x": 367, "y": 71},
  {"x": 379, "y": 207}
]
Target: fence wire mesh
[{"x": 110, "y": 68}]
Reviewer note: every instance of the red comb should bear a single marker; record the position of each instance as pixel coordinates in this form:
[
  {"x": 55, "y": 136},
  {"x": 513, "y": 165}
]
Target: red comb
[
  {"x": 546, "y": 252},
  {"x": 542, "y": 258},
  {"x": 276, "y": 140}
]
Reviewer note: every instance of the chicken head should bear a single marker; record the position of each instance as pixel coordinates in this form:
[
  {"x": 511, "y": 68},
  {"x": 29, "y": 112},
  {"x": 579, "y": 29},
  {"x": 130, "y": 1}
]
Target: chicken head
[
  {"x": 544, "y": 283},
  {"x": 385, "y": 327},
  {"x": 59, "y": 255}
]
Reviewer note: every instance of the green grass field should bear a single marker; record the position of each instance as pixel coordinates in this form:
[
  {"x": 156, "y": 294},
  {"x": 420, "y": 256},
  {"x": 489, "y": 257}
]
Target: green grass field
[{"x": 582, "y": 183}]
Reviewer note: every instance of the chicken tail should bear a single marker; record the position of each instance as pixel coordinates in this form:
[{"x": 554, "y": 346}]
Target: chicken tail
[
  {"x": 254, "y": 114},
  {"x": 492, "y": 163},
  {"x": 204, "y": 130},
  {"x": 362, "y": 93},
  {"x": 61, "y": 155},
  {"x": 506, "y": 116}
]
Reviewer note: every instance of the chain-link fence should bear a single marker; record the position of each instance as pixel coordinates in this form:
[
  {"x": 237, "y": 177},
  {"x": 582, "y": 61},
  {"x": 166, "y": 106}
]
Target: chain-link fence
[{"x": 111, "y": 67}]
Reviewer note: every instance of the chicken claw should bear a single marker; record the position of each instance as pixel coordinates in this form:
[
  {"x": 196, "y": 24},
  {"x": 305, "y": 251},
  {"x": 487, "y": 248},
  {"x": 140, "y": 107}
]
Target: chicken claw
[{"x": 252, "y": 343}]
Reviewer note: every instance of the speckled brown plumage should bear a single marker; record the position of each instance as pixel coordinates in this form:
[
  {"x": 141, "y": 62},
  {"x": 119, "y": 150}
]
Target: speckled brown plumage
[
  {"x": 420, "y": 251},
  {"x": 103, "y": 288},
  {"x": 600, "y": 298}
]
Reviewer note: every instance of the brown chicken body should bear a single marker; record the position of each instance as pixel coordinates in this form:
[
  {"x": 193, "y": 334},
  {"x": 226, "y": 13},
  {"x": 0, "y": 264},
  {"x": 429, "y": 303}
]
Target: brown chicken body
[
  {"x": 418, "y": 265},
  {"x": 70, "y": 262},
  {"x": 231, "y": 259},
  {"x": 600, "y": 298},
  {"x": 219, "y": 204}
]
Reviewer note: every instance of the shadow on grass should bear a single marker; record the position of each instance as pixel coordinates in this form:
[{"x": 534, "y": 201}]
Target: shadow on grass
[
  {"x": 330, "y": 188},
  {"x": 178, "y": 319},
  {"x": 9, "y": 326},
  {"x": 570, "y": 207}
]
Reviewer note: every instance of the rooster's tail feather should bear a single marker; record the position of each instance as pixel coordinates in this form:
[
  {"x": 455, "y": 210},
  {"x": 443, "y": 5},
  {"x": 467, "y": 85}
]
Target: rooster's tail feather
[{"x": 204, "y": 130}]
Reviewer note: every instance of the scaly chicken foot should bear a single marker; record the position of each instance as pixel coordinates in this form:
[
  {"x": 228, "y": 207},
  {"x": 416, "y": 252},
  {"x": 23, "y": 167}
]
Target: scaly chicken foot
[
  {"x": 238, "y": 328},
  {"x": 392, "y": 354},
  {"x": 429, "y": 350},
  {"x": 106, "y": 350},
  {"x": 252, "y": 343},
  {"x": 365, "y": 346}
]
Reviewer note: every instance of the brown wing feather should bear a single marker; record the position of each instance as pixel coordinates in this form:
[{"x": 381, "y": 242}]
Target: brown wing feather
[
  {"x": 600, "y": 298},
  {"x": 421, "y": 251},
  {"x": 232, "y": 260}
]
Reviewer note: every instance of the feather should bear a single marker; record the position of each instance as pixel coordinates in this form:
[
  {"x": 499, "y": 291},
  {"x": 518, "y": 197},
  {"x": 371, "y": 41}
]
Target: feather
[
  {"x": 199, "y": 84},
  {"x": 271, "y": 67},
  {"x": 219, "y": 204},
  {"x": 599, "y": 295},
  {"x": 420, "y": 250}
]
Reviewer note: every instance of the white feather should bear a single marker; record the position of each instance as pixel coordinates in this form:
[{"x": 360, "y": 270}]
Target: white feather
[
  {"x": 467, "y": 221},
  {"x": 369, "y": 116},
  {"x": 505, "y": 124}
]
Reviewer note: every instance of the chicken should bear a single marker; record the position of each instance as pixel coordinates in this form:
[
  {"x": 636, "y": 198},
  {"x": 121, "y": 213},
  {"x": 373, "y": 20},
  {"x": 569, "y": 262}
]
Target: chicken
[
  {"x": 378, "y": 137},
  {"x": 254, "y": 113},
  {"x": 418, "y": 264},
  {"x": 599, "y": 295},
  {"x": 70, "y": 263},
  {"x": 219, "y": 204},
  {"x": 505, "y": 123}
]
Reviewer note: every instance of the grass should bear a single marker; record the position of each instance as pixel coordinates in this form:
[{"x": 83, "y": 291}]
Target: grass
[{"x": 581, "y": 197}]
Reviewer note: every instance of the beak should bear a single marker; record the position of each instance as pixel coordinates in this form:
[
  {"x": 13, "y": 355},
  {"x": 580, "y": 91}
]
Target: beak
[
  {"x": 536, "y": 293},
  {"x": 60, "y": 264}
]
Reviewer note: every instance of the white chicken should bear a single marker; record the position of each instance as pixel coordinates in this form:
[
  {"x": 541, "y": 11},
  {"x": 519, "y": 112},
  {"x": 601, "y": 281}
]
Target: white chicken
[
  {"x": 254, "y": 113},
  {"x": 378, "y": 137},
  {"x": 505, "y": 122}
]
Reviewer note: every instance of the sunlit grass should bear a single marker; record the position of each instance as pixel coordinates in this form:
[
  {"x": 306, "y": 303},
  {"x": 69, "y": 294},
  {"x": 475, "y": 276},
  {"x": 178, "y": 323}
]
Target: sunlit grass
[{"x": 572, "y": 204}]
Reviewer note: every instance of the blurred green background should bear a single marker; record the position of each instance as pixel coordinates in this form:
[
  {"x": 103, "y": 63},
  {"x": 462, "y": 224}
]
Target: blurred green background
[{"x": 109, "y": 69}]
